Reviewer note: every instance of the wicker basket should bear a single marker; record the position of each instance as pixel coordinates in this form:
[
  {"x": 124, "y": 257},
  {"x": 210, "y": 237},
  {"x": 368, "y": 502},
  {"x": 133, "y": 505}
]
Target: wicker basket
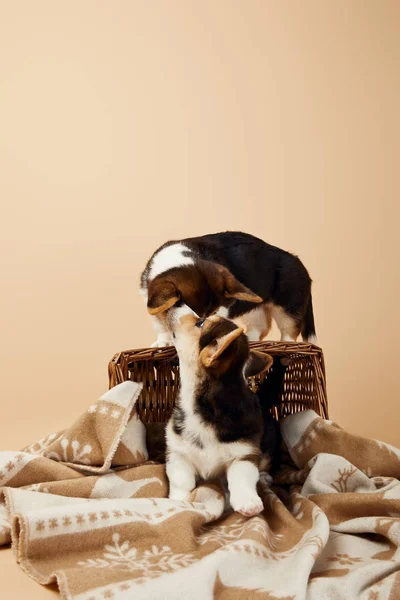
[{"x": 303, "y": 387}]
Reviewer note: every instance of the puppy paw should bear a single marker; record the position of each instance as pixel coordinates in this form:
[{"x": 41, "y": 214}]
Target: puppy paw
[
  {"x": 176, "y": 493},
  {"x": 247, "y": 503}
]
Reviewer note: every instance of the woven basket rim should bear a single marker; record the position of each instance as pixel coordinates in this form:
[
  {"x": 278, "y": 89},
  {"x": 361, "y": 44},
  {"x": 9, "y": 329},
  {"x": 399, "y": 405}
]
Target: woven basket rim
[
  {"x": 304, "y": 386},
  {"x": 148, "y": 353}
]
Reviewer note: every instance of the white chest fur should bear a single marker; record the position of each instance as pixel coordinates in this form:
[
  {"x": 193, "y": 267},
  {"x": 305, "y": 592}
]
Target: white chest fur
[
  {"x": 200, "y": 446},
  {"x": 188, "y": 461}
]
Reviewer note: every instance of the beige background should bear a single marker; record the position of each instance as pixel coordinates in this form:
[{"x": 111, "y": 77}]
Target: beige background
[{"x": 124, "y": 124}]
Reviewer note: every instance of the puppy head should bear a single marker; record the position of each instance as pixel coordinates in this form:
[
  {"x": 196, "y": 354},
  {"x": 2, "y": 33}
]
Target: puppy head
[
  {"x": 213, "y": 346},
  {"x": 204, "y": 287}
]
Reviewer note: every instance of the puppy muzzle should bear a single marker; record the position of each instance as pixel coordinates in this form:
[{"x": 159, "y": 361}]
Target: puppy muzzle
[{"x": 179, "y": 315}]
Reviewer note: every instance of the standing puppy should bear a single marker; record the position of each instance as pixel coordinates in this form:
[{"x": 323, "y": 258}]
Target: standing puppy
[
  {"x": 216, "y": 427},
  {"x": 236, "y": 275}
]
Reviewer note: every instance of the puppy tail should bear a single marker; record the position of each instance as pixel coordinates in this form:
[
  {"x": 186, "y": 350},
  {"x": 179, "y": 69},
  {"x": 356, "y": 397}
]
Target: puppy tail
[{"x": 308, "y": 331}]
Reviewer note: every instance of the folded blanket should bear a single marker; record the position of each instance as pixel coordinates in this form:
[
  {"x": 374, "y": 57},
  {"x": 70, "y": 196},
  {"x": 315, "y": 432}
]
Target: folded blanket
[{"x": 87, "y": 509}]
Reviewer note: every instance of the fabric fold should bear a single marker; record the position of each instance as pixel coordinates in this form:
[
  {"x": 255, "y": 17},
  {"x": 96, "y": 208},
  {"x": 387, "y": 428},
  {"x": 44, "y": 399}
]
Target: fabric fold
[{"x": 86, "y": 508}]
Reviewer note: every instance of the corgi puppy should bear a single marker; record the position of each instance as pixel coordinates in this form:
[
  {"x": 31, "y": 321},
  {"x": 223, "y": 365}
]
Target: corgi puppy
[
  {"x": 235, "y": 275},
  {"x": 216, "y": 427}
]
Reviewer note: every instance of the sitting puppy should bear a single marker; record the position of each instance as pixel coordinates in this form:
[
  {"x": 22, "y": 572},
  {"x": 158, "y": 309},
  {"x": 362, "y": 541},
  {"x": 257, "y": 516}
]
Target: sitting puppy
[
  {"x": 216, "y": 427},
  {"x": 235, "y": 275}
]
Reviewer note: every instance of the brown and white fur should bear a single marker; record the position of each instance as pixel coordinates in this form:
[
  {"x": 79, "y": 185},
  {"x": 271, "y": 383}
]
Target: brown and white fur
[
  {"x": 235, "y": 275},
  {"x": 216, "y": 427}
]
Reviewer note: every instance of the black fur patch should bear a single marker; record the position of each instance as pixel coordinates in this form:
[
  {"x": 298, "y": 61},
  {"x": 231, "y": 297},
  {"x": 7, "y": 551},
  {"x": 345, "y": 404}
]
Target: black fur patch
[
  {"x": 178, "y": 420},
  {"x": 230, "y": 407},
  {"x": 179, "y": 427},
  {"x": 269, "y": 396}
]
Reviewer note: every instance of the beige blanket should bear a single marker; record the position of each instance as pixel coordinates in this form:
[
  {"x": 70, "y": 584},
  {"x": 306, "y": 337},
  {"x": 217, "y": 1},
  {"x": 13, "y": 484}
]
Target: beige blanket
[{"x": 84, "y": 508}]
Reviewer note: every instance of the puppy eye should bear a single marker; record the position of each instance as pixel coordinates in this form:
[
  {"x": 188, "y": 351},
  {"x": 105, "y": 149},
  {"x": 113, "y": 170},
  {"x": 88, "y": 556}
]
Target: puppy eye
[{"x": 200, "y": 323}]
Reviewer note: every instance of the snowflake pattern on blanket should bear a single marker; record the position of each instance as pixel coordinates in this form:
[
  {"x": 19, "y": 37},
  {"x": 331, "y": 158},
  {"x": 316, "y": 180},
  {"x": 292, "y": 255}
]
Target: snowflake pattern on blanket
[{"x": 92, "y": 513}]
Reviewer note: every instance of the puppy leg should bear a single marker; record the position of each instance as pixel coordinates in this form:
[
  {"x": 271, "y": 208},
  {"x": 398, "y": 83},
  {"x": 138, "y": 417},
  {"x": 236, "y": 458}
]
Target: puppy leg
[
  {"x": 256, "y": 323},
  {"x": 181, "y": 475},
  {"x": 164, "y": 337},
  {"x": 253, "y": 336},
  {"x": 243, "y": 476},
  {"x": 288, "y": 325},
  {"x": 268, "y": 321}
]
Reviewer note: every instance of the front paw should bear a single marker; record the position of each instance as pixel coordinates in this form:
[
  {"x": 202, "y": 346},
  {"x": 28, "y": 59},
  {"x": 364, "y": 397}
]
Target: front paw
[
  {"x": 176, "y": 493},
  {"x": 247, "y": 503}
]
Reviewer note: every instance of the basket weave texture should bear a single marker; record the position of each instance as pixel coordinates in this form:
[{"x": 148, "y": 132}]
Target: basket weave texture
[{"x": 304, "y": 385}]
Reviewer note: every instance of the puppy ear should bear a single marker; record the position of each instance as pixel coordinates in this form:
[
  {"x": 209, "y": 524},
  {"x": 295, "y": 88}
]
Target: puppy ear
[
  {"x": 235, "y": 289},
  {"x": 162, "y": 294},
  {"x": 222, "y": 280},
  {"x": 210, "y": 355},
  {"x": 257, "y": 364}
]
